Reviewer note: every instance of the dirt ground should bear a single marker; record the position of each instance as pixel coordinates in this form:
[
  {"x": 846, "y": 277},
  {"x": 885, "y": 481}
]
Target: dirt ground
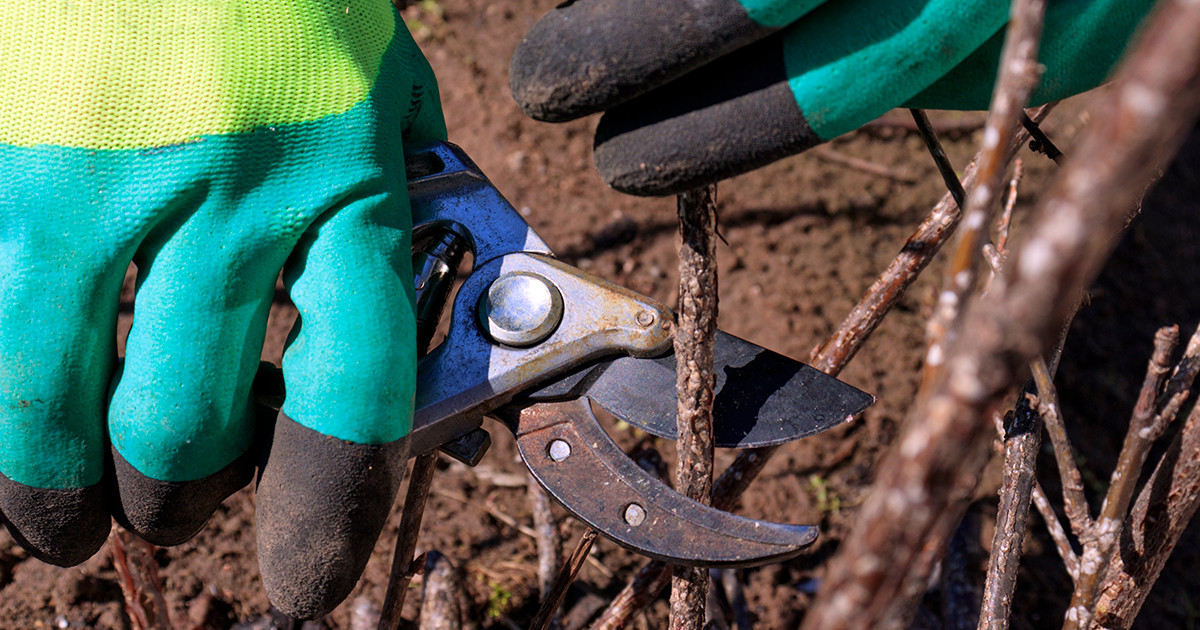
[{"x": 805, "y": 237}]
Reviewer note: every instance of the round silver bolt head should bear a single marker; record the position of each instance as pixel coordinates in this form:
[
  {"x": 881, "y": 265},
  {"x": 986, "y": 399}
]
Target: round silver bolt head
[
  {"x": 635, "y": 514},
  {"x": 559, "y": 450},
  {"x": 520, "y": 309}
]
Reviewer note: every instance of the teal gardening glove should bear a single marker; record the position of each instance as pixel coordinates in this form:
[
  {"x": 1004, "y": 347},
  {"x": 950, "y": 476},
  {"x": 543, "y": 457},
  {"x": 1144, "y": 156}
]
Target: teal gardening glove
[
  {"x": 699, "y": 90},
  {"x": 213, "y": 143}
]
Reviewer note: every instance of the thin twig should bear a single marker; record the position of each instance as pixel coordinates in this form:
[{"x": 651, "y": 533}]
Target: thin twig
[
  {"x": 1010, "y": 202},
  {"x": 549, "y": 543},
  {"x": 1114, "y": 596},
  {"x": 944, "y": 167},
  {"x": 1178, "y": 387},
  {"x": 489, "y": 505},
  {"x": 137, "y": 573},
  {"x": 1018, "y": 76},
  {"x": 646, "y": 584},
  {"x": 1057, "y": 533},
  {"x": 732, "y": 583},
  {"x": 1074, "y": 500},
  {"x": 1040, "y": 143},
  {"x": 918, "y": 251},
  {"x": 499, "y": 515},
  {"x": 553, "y": 599},
  {"x": 837, "y": 157},
  {"x": 993, "y": 258},
  {"x": 694, "y": 341},
  {"x": 919, "y": 493},
  {"x": 1022, "y": 441},
  {"x": 403, "y": 566},
  {"x": 442, "y": 596},
  {"x": 994, "y": 253},
  {"x": 716, "y": 608}
]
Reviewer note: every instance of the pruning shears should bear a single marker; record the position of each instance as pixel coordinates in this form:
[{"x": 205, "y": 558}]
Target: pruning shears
[{"x": 535, "y": 343}]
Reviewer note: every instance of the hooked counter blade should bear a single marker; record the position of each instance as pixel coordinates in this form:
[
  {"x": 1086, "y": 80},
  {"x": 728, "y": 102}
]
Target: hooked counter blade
[
  {"x": 762, "y": 397},
  {"x": 579, "y": 465}
]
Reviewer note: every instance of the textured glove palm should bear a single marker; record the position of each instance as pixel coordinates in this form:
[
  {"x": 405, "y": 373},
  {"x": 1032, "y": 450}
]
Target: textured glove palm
[
  {"x": 701, "y": 90},
  {"x": 214, "y": 144}
]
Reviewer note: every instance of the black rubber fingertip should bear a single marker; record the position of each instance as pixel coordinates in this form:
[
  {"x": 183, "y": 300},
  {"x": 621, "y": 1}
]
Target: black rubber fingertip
[
  {"x": 167, "y": 513},
  {"x": 587, "y": 56},
  {"x": 59, "y": 527},
  {"x": 725, "y": 119},
  {"x": 321, "y": 505}
]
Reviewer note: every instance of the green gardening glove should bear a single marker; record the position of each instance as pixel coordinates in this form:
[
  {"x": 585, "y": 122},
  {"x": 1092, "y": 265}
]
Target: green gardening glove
[
  {"x": 699, "y": 90},
  {"x": 213, "y": 143}
]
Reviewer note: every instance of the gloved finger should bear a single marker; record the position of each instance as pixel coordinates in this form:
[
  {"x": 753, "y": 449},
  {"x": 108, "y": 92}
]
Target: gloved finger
[
  {"x": 730, "y": 117},
  {"x": 1082, "y": 41},
  {"x": 588, "y": 56},
  {"x": 181, "y": 417},
  {"x": 57, "y": 346},
  {"x": 340, "y": 444},
  {"x": 339, "y": 447},
  {"x": 842, "y": 65}
]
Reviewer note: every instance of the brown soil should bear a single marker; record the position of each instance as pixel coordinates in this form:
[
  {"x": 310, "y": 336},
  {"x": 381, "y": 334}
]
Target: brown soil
[{"x": 805, "y": 237}]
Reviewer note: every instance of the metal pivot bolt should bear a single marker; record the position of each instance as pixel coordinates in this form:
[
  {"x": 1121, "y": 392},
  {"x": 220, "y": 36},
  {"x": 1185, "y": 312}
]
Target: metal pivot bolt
[
  {"x": 635, "y": 514},
  {"x": 559, "y": 450},
  {"x": 520, "y": 309}
]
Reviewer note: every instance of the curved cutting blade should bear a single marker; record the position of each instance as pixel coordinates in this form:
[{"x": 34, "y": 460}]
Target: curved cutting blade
[
  {"x": 569, "y": 453},
  {"x": 761, "y": 397}
]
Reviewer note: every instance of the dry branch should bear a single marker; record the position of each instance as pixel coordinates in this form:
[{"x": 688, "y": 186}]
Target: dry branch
[
  {"x": 554, "y": 597},
  {"x": 443, "y": 599},
  {"x": 1162, "y": 511},
  {"x": 830, "y": 357},
  {"x": 1074, "y": 501},
  {"x": 549, "y": 543},
  {"x": 137, "y": 572},
  {"x": 1057, "y": 533},
  {"x": 944, "y": 167},
  {"x": 694, "y": 340},
  {"x": 1018, "y": 76},
  {"x": 920, "y": 248},
  {"x": 1010, "y": 202},
  {"x": 1022, "y": 441},
  {"x": 1100, "y": 543},
  {"x": 646, "y": 584},
  {"x": 919, "y": 496},
  {"x": 1155, "y": 409},
  {"x": 403, "y": 565}
]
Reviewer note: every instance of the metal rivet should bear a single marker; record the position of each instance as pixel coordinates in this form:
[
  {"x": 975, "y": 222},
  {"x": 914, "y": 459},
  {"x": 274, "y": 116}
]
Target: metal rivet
[
  {"x": 645, "y": 318},
  {"x": 559, "y": 450},
  {"x": 520, "y": 309},
  {"x": 635, "y": 514}
]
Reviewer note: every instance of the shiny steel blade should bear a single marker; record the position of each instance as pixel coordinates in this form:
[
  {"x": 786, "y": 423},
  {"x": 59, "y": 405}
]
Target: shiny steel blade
[{"x": 762, "y": 397}]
